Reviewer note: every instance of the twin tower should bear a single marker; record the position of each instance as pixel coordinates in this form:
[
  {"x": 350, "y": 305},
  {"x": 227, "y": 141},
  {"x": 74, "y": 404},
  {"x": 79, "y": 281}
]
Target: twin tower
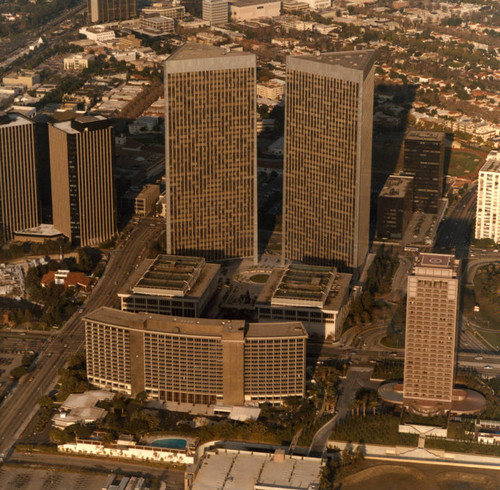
[{"x": 211, "y": 155}]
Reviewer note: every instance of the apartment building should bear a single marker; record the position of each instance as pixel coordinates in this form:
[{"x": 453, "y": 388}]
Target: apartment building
[
  {"x": 488, "y": 199},
  {"x": 224, "y": 362},
  {"x": 211, "y": 166},
  {"x": 170, "y": 285},
  {"x": 327, "y": 163},
  {"x": 18, "y": 179},
  {"x": 431, "y": 333}
]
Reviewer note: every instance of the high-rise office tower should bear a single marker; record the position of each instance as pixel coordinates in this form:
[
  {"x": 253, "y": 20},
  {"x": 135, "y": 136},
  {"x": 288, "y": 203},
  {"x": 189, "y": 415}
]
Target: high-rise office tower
[
  {"x": 210, "y": 133},
  {"x": 327, "y": 168},
  {"x": 102, "y": 11},
  {"x": 431, "y": 333},
  {"x": 18, "y": 183},
  {"x": 215, "y": 11},
  {"x": 81, "y": 165},
  {"x": 424, "y": 161},
  {"x": 488, "y": 199}
]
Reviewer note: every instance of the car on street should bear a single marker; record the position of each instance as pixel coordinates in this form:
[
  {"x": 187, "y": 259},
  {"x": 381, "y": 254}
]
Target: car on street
[{"x": 488, "y": 366}]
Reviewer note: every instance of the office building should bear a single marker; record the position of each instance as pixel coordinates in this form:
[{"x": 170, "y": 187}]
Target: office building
[
  {"x": 424, "y": 161},
  {"x": 316, "y": 296},
  {"x": 78, "y": 62},
  {"x": 176, "y": 12},
  {"x": 395, "y": 207},
  {"x": 318, "y": 4},
  {"x": 431, "y": 333},
  {"x": 488, "y": 199},
  {"x": 18, "y": 180},
  {"x": 327, "y": 164},
  {"x": 81, "y": 166},
  {"x": 186, "y": 360},
  {"x": 170, "y": 285},
  {"x": 211, "y": 168},
  {"x": 104, "y": 11},
  {"x": 241, "y": 10},
  {"x": 215, "y": 11},
  {"x": 159, "y": 24}
]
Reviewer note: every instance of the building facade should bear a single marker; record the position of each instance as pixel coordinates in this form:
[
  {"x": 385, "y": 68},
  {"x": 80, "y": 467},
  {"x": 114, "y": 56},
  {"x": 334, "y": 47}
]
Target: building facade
[
  {"x": 241, "y": 10},
  {"x": 18, "y": 179},
  {"x": 170, "y": 285},
  {"x": 327, "y": 164},
  {"x": 488, "y": 199},
  {"x": 431, "y": 333},
  {"x": 104, "y": 11},
  {"x": 224, "y": 362},
  {"x": 81, "y": 165},
  {"x": 176, "y": 12},
  {"x": 78, "y": 62},
  {"x": 424, "y": 161},
  {"x": 318, "y": 297},
  {"x": 162, "y": 24},
  {"x": 395, "y": 207},
  {"x": 211, "y": 168},
  {"x": 215, "y": 11}
]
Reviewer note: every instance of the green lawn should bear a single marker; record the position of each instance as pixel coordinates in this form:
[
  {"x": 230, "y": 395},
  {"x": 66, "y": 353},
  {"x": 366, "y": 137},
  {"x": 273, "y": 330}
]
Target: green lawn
[
  {"x": 462, "y": 162},
  {"x": 259, "y": 278}
]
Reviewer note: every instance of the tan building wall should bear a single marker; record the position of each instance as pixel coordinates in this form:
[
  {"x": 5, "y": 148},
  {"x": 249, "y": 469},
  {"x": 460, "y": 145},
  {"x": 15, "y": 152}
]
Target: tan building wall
[
  {"x": 211, "y": 153},
  {"x": 82, "y": 160},
  {"x": 195, "y": 360},
  {"x": 18, "y": 183},
  {"x": 327, "y": 166},
  {"x": 431, "y": 332}
]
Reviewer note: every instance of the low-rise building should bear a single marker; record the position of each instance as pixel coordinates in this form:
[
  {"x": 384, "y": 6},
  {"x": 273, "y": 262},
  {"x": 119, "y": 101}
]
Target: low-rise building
[
  {"x": 78, "y": 62},
  {"x": 81, "y": 408},
  {"x": 260, "y": 470},
  {"x": 241, "y": 10},
  {"x": 159, "y": 24},
  {"x": 273, "y": 89},
  {"x": 316, "y": 296},
  {"x": 142, "y": 201},
  {"x": 197, "y": 361},
  {"x": 26, "y": 78},
  {"x": 170, "y": 285},
  {"x": 487, "y": 431},
  {"x": 175, "y": 12},
  {"x": 98, "y": 33},
  {"x": 395, "y": 207}
]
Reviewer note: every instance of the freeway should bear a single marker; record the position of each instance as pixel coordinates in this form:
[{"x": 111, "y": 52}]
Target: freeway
[{"x": 18, "y": 409}]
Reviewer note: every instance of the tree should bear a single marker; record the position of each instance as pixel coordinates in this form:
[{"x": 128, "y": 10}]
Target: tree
[{"x": 45, "y": 401}]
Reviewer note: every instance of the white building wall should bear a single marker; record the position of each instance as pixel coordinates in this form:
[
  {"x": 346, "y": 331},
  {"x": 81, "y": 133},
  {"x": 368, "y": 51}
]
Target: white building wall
[{"x": 488, "y": 201}]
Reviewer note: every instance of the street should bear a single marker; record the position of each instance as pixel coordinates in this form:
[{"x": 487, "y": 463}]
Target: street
[{"x": 20, "y": 407}]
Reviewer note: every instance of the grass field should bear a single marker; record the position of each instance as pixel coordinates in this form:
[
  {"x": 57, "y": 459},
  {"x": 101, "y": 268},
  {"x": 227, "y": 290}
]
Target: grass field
[
  {"x": 259, "y": 278},
  {"x": 464, "y": 162}
]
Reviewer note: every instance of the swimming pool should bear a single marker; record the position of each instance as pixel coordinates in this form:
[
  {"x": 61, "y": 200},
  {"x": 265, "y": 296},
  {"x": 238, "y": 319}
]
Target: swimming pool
[{"x": 170, "y": 443}]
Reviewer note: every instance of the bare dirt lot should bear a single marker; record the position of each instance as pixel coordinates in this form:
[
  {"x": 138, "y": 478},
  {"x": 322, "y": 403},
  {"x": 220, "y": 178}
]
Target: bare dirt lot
[{"x": 414, "y": 476}]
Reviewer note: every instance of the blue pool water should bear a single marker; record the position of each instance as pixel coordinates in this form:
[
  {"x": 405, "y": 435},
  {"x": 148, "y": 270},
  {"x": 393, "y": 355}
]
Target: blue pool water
[{"x": 171, "y": 443}]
